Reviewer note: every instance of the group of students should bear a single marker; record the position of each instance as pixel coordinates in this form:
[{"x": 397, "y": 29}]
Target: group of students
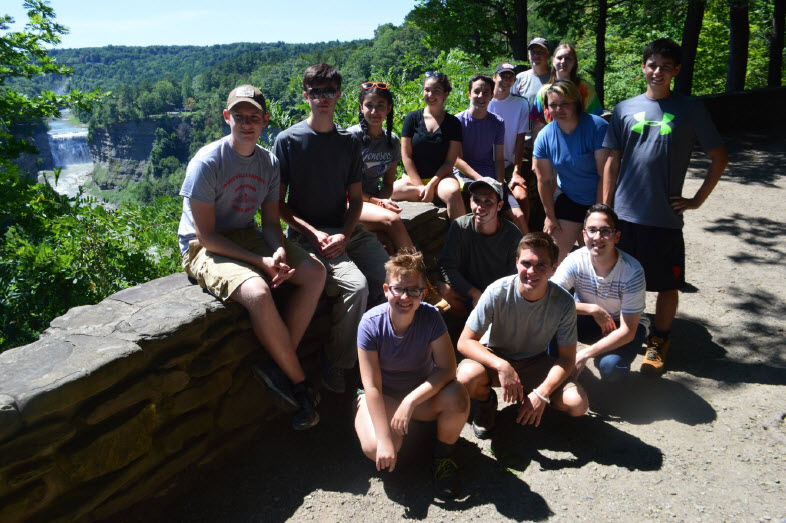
[{"x": 336, "y": 190}]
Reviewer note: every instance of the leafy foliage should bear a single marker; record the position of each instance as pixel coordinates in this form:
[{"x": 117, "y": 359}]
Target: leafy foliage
[{"x": 58, "y": 252}]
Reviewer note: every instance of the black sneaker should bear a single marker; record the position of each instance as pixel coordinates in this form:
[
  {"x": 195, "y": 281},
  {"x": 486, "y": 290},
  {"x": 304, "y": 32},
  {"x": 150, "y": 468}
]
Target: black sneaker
[
  {"x": 333, "y": 380},
  {"x": 305, "y": 417},
  {"x": 446, "y": 480},
  {"x": 485, "y": 416},
  {"x": 274, "y": 379}
]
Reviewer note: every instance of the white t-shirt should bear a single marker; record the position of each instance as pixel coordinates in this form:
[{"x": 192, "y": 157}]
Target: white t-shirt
[
  {"x": 514, "y": 111},
  {"x": 623, "y": 291}
]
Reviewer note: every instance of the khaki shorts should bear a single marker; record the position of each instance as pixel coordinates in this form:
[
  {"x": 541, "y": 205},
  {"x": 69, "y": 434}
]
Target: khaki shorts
[
  {"x": 221, "y": 275},
  {"x": 532, "y": 372}
]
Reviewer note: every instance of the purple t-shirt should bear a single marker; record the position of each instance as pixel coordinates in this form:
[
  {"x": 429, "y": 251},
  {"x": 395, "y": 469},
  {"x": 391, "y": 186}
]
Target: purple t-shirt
[
  {"x": 405, "y": 361},
  {"x": 480, "y": 137}
]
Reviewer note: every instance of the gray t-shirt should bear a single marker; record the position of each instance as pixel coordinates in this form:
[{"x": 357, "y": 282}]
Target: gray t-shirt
[
  {"x": 528, "y": 84},
  {"x": 237, "y": 185},
  {"x": 318, "y": 168},
  {"x": 378, "y": 155},
  {"x": 514, "y": 328},
  {"x": 471, "y": 259},
  {"x": 656, "y": 138}
]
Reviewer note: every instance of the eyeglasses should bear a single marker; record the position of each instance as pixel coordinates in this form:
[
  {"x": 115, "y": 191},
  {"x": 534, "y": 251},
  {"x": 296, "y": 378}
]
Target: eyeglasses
[
  {"x": 315, "y": 93},
  {"x": 242, "y": 119},
  {"x": 435, "y": 74},
  {"x": 370, "y": 85},
  {"x": 412, "y": 292},
  {"x": 605, "y": 232}
]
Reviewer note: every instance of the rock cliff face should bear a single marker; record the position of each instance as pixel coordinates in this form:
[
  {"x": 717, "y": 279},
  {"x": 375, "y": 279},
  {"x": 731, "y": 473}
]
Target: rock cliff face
[
  {"x": 122, "y": 150},
  {"x": 30, "y": 164}
]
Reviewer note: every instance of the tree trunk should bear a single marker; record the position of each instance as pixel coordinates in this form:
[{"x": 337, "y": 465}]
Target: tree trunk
[
  {"x": 690, "y": 44},
  {"x": 775, "y": 70},
  {"x": 518, "y": 42},
  {"x": 600, "y": 49},
  {"x": 738, "y": 45}
]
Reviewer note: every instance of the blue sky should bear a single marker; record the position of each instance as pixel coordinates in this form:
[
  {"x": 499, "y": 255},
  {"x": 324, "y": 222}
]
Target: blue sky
[{"x": 94, "y": 23}]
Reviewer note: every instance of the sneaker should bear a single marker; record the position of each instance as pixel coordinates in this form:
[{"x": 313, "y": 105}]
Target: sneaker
[
  {"x": 333, "y": 380},
  {"x": 654, "y": 362},
  {"x": 446, "y": 478},
  {"x": 274, "y": 379},
  {"x": 485, "y": 416},
  {"x": 307, "y": 398}
]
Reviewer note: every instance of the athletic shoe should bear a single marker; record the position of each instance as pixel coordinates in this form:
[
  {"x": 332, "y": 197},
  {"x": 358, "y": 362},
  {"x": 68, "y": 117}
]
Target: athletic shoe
[
  {"x": 485, "y": 416},
  {"x": 307, "y": 398},
  {"x": 274, "y": 379},
  {"x": 654, "y": 363},
  {"x": 333, "y": 380},
  {"x": 446, "y": 480}
]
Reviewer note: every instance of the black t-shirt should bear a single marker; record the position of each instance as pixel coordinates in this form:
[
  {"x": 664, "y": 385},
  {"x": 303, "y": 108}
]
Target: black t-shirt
[{"x": 430, "y": 149}]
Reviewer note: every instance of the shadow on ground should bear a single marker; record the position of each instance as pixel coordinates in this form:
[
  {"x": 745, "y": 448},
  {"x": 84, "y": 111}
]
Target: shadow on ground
[
  {"x": 275, "y": 477},
  {"x": 752, "y": 158},
  {"x": 562, "y": 442}
]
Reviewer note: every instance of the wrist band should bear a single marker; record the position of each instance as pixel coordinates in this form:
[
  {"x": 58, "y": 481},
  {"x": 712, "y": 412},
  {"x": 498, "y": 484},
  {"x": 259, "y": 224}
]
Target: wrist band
[{"x": 542, "y": 397}]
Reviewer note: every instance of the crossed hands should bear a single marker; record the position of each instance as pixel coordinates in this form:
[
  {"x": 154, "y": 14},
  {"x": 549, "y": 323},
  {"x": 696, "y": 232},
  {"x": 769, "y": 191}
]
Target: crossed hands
[
  {"x": 330, "y": 245},
  {"x": 427, "y": 191},
  {"x": 276, "y": 267}
]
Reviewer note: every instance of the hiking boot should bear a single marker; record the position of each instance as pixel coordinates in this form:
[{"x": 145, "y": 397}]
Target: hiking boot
[
  {"x": 306, "y": 416},
  {"x": 433, "y": 298},
  {"x": 654, "y": 362},
  {"x": 333, "y": 380},
  {"x": 446, "y": 478},
  {"x": 485, "y": 416},
  {"x": 274, "y": 379}
]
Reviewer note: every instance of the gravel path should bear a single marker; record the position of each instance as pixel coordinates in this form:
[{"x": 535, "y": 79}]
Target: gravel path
[{"x": 704, "y": 443}]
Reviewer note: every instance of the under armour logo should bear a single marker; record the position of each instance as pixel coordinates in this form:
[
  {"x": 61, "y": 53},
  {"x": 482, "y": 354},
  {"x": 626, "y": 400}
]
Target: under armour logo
[{"x": 663, "y": 124}]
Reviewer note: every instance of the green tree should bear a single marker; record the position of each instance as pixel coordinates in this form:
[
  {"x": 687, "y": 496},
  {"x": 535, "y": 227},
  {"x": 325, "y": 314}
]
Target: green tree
[
  {"x": 487, "y": 28},
  {"x": 23, "y": 56}
]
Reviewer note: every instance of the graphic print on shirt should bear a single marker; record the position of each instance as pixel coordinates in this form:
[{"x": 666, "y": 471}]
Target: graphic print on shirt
[
  {"x": 246, "y": 196},
  {"x": 377, "y": 163},
  {"x": 642, "y": 122}
]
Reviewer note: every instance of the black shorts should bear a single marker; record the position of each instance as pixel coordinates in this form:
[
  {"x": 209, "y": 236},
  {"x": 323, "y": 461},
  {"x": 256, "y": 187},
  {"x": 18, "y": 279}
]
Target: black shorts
[
  {"x": 660, "y": 251},
  {"x": 568, "y": 210}
]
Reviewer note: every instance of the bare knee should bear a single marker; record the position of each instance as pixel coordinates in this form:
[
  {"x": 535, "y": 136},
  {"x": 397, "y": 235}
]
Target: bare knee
[
  {"x": 313, "y": 271},
  {"x": 472, "y": 375},
  {"x": 454, "y": 398},
  {"x": 575, "y": 401},
  {"x": 252, "y": 293}
]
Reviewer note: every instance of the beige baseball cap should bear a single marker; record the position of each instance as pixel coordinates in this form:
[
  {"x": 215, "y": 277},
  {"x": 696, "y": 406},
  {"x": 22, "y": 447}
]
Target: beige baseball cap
[{"x": 247, "y": 93}]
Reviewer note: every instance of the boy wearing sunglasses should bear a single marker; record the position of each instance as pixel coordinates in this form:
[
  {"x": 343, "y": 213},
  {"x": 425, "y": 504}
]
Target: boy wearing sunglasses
[{"x": 322, "y": 168}]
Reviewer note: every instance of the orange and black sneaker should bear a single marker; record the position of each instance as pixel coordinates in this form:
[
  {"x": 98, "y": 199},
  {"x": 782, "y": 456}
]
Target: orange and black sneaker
[{"x": 654, "y": 363}]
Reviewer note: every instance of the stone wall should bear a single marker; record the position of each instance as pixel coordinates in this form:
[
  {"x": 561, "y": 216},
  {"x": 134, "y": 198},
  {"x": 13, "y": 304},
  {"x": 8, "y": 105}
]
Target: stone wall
[
  {"x": 748, "y": 110},
  {"x": 116, "y": 398}
]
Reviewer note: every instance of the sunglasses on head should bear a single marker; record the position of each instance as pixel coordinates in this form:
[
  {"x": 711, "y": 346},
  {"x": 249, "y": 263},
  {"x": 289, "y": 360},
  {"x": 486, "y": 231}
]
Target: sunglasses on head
[
  {"x": 370, "y": 85},
  {"x": 435, "y": 74},
  {"x": 319, "y": 92}
]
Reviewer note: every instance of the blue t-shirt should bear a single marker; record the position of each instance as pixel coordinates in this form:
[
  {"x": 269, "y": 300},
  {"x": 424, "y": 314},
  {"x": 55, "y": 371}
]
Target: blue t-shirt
[
  {"x": 573, "y": 156},
  {"x": 405, "y": 361},
  {"x": 480, "y": 137}
]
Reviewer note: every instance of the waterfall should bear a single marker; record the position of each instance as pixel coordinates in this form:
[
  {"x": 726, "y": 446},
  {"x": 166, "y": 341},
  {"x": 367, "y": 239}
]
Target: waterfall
[{"x": 69, "y": 148}]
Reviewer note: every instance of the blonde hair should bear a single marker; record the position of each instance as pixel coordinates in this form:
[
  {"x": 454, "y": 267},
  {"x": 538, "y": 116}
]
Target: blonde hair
[
  {"x": 566, "y": 90},
  {"x": 405, "y": 261}
]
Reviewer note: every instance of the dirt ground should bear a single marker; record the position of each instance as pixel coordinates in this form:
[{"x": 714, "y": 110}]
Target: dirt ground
[{"x": 705, "y": 442}]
